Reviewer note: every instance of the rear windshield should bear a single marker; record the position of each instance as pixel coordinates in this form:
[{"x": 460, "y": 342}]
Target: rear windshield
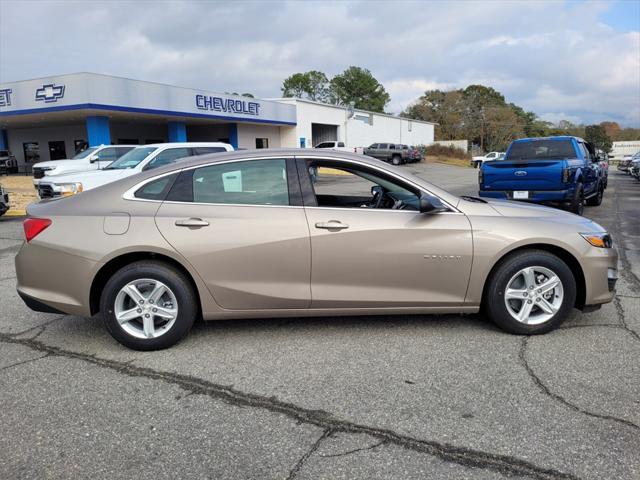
[{"x": 541, "y": 150}]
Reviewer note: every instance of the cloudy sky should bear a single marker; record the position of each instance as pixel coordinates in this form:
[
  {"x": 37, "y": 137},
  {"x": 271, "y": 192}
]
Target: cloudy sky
[{"x": 576, "y": 60}]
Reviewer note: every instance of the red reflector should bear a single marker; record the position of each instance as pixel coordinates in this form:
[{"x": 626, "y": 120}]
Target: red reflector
[{"x": 33, "y": 226}]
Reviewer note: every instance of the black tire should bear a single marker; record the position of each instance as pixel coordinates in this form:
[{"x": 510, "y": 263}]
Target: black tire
[
  {"x": 494, "y": 301},
  {"x": 597, "y": 198},
  {"x": 577, "y": 204},
  {"x": 396, "y": 160},
  {"x": 175, "y": 280}
]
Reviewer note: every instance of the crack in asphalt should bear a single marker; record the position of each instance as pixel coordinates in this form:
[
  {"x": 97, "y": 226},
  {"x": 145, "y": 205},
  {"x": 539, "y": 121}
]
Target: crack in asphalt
[
  {"x": 293, "y": 473},
  {"x": 558, "y": 398},
  {"x": 622, "y": 318},
  {"x": 42, "y": 327},
  {"x": 467, "y": 457},
  {"x": 355, "y": 450},
  {"x": 6, "y": 367}
]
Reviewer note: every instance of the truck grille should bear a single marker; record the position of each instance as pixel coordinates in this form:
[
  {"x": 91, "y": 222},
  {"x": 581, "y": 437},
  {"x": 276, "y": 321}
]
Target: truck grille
[{"x": 45, "y": 191}]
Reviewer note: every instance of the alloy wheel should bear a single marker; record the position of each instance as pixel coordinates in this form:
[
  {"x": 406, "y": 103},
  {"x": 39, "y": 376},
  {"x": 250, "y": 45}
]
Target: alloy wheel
[
  {"x": 534, "y": 295},
  {"x": 146, "y": 308}
]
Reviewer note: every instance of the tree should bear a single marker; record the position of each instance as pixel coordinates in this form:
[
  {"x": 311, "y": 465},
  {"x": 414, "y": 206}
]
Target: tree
[
  {"x": 312, "y": 85},
  {"x": 358, "y": 86},
  {"x": 612, "y": 129},
  {"x": 597, "y": 135},
  {"x": 443, "y": 108}
]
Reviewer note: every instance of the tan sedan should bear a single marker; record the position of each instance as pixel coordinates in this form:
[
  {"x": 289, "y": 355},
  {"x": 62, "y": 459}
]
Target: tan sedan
[{"x": 275, "y": 233}]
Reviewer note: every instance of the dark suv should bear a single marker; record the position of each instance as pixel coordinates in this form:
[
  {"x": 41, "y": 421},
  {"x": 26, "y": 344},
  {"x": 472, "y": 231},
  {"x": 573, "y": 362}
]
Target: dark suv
[{"x": 388, "y": 152}]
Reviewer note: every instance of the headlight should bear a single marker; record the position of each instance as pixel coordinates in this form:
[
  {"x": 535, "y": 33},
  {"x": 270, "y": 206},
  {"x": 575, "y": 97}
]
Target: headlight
[
  {"x": 600, "y": 239},
  {"x": 66, "y": 189}
]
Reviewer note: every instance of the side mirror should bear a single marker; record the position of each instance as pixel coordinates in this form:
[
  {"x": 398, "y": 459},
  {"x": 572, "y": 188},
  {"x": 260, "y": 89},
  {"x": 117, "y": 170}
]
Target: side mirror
[
  {"x": 429, "y": 204},
  {"x": 93, "y": 158}
]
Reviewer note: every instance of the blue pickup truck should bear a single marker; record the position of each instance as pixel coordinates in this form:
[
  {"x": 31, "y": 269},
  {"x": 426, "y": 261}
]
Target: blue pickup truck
[{"x": 557, "y": 170}]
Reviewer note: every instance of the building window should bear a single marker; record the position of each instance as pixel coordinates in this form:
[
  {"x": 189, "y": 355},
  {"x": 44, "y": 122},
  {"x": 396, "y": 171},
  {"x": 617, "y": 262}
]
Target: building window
[
  {"x": 262, "y": 143},
  {"x": 80, "y": 146},
  {"x": 31, "y": 152}
]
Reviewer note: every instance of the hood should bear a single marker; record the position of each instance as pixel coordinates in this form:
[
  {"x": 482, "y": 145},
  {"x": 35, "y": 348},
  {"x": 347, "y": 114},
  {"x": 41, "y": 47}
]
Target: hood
[
  {"x": 58, "y": 163},
  {"x": 508, "y": 208},
  {"x": 93, "y": 178}
]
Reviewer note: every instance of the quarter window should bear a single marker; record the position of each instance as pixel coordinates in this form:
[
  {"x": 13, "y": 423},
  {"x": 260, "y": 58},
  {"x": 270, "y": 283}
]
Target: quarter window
[{"x": 157, "y": 189}]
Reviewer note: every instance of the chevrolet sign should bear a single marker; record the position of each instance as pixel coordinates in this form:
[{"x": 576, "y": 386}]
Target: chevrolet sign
[
  {"x": 227, "y": 105},
  {"x": 50, "y": 93}
]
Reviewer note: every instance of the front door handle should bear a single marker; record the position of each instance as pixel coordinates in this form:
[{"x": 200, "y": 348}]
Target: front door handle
[
  {"x": 332, "y": 225},
  {"x": 192, "y": 222}
]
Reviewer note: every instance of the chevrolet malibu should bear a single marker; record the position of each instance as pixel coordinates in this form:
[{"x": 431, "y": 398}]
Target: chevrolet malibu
[{"x": 275, "y": 233}]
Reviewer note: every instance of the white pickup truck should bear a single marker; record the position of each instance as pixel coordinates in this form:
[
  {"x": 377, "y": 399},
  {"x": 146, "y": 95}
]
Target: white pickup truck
[
  {"x": 489, "y": 157},
  {"x": 93, "y": 158},
  {"x": 142, "y": 158},
  {"x": 340, "y": 147}
]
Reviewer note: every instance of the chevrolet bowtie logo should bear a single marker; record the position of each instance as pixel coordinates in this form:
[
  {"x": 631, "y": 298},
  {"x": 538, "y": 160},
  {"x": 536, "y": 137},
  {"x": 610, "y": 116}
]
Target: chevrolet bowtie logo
[{"x": 50, "y": 93}]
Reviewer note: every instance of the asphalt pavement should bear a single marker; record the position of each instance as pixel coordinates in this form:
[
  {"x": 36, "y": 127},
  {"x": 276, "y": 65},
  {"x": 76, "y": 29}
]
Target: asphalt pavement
[{"x": 440, "y": 397}]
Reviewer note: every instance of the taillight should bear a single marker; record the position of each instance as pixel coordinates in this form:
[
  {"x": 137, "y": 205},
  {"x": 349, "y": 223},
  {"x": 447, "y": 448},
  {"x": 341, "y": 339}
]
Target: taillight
[
  {"x": 566, "y": 173},
  {"x": 33, "y": 227},
  {"x": 480, "y": 176}
]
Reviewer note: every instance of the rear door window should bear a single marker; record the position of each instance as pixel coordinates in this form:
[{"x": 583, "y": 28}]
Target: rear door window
[
  {"x": 168, "y": 156},
  {"x": 251, "y": 182},
  {"x": 206, "y": 150}
]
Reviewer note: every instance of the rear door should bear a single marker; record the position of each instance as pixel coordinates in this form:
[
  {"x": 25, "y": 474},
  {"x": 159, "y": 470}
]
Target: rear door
[{"x": 242, "y": 227}]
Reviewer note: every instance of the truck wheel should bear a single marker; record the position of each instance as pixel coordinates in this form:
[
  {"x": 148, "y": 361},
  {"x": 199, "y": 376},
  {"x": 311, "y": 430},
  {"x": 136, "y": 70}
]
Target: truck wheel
[
  {"x": 577, "y": 204},
  {"x": 597, "y": 198},
  {"x": 530, "y": 292},
  {"x": 396, "y": 160}
]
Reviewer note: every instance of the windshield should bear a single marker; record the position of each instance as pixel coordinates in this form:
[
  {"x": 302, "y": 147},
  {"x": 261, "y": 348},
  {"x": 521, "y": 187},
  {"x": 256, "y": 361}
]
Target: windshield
[
  {"x": 85, "y": 153},
  {"x": 542, "y": 150},
  {"x": 132, "y": 158}
]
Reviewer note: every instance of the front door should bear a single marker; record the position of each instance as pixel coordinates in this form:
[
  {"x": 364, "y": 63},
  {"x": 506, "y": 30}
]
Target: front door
[
  {"x": 237, "y": 225},
  {"x": 57, "y": 150},
  {"x": 380, "y": 251}
]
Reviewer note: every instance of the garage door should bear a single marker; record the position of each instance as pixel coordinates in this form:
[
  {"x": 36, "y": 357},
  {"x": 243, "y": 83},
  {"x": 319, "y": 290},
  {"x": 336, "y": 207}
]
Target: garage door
[{"x": 321, "y": 132}]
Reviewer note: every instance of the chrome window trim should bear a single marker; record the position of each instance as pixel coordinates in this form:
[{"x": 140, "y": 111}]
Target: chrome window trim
[{"x": 129, "y": 194}]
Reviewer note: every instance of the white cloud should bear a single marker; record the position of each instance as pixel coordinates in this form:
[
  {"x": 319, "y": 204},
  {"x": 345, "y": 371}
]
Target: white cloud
[{"x": 549, "y": 57}]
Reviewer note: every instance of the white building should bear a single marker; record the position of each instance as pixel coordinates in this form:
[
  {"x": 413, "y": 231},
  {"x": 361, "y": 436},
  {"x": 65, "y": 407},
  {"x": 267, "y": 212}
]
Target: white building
[
  {"x": 54, "y": 117},
  {"x": 621, "y": 149}
]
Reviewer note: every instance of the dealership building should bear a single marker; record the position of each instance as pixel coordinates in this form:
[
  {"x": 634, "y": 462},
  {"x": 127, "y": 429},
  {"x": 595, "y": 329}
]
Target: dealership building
[{"x": 55, "y": 117}]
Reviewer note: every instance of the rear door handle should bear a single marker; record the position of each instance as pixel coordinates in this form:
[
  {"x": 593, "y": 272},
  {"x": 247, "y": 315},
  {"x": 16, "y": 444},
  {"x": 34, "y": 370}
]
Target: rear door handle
[
  {"x": 192, "y": 222},
  {"x": 332, "y": 225}
]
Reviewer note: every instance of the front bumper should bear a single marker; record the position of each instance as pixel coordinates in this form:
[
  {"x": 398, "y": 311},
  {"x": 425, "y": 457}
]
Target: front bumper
[
  {"x": 535, "y": 196},
  {"x": 600, "y": 268}
]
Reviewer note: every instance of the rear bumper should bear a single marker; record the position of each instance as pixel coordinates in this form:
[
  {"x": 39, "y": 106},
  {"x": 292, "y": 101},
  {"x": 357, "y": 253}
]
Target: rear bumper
[
  {"x": 52, "y": 280},
  {"x": 534, "y": 195}
]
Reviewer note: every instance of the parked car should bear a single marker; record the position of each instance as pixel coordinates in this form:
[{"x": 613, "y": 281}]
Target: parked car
[
  {"x": 340, "y": 146},
  {"x": 557, "y": 170},
  {"x": 6, "y": 161},
  {"x": 137, "y": 160},
  {"x": 603, "y": 161},
  {"x": 246, "y": 234},
  {"x": 634, "y": 168},
  {"x": 624, "y": 165},
  {"x": 4, "y": 201},
  {"x": 388, "y": 152},
  {"x": 489, "y": 157},
  {"x": 415, "y": 154},
  {"x": 93, "y": 158}
]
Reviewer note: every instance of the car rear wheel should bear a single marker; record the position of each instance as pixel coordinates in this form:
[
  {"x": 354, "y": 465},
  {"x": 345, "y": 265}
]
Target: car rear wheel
[
  {"x": 396, "y": 160},
  {"x": 148, "y": 305},
  {"x": 577, "y": 204},
  {"x": 530, "y": 292}
]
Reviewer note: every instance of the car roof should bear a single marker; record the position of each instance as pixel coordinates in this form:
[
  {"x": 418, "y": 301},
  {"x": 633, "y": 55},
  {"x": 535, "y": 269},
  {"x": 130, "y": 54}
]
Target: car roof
[
  {"x": 557, "y": 137},
  {"x": 186, "y": 144}
]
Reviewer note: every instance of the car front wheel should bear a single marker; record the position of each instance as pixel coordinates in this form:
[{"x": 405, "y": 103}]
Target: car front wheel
[
  {"x": 148, "y": 305},
  {"x": 530, "y": 292}
]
